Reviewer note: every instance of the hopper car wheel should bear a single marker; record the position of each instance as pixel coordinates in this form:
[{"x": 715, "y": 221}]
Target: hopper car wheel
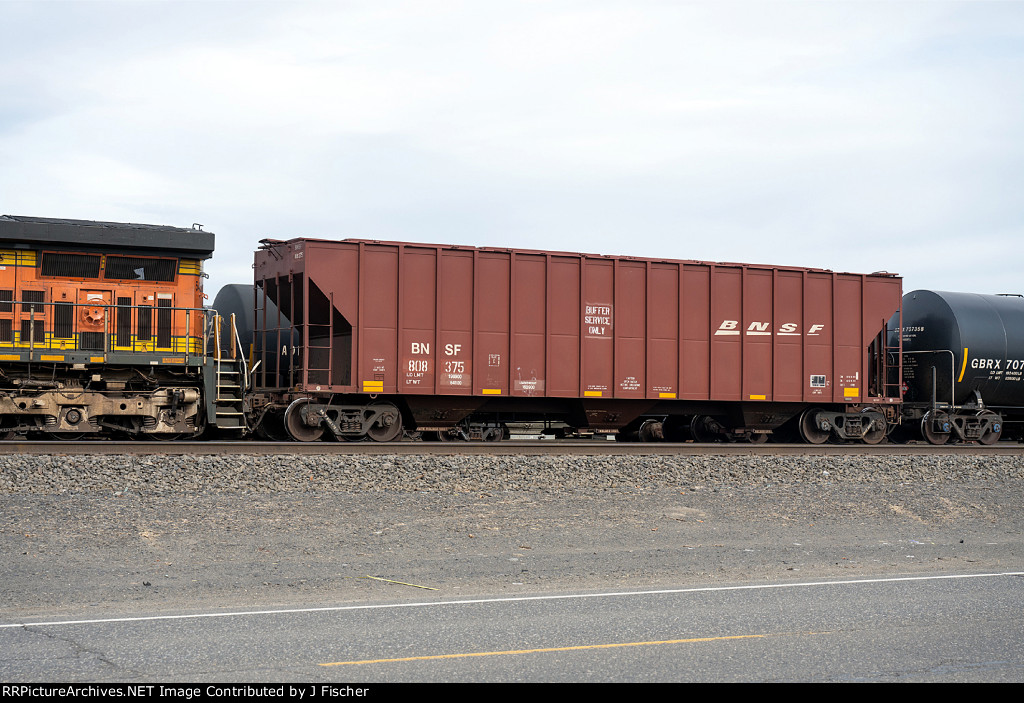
[
  {"x": 388, "y": 426},
  {"x": 701, "y": 429},
  {"x": 995, "y": 429},
  {"x": 929, "y": 432},
  {"x": 877, "y": 433},
  {"x": 810, "y": 432},
  {"x": 297, "y": 429},
  {"x": 493, "y": 434},
  {"x": 7, "y": 434}
]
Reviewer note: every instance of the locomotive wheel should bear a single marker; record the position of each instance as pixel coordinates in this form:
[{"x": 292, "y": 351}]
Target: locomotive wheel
[
  {"x": 930, "y": 434},
  {"x": 809, "y": 430},
  {"x": 65, "y": 436},
  {"x": 877, "y": 433},
  {"x": 995, "y": 429},
  {"x": 294, "y": 425},
  {"x": 169, "y": 436},
  {"x": 388, "y": 426}
]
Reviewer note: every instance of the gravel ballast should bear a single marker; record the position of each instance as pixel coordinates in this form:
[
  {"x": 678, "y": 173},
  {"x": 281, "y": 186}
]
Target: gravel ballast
[{"x": 164, "y": 474}]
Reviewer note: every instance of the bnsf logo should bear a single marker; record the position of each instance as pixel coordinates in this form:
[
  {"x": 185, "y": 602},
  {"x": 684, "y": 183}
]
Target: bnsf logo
[{"x": 763, "y": 329}]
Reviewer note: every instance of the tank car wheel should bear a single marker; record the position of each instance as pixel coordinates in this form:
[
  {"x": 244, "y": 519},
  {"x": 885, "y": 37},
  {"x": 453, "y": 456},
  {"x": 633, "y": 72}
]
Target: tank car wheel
[
  {"x": 876, "y": 435},
  {"x": 931, "y": 435},
  {"x": 995, "y": 429},
  {"x": 271, "y": 428},
  {"x": 388, "y": 426},
  {"x": 810, "y": 432},
  {"x": 297, "y": 428}
]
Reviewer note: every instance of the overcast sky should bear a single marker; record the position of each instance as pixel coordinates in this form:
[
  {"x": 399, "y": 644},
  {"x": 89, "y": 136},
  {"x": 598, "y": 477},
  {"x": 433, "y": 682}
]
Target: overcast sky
[{"x": 853, "y": 136}]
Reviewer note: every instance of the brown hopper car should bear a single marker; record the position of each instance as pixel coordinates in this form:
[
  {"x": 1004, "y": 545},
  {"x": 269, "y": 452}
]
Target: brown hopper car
[{"x": 365, "y": 338}]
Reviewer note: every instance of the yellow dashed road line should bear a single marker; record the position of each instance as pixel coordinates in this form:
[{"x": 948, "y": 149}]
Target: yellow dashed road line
[{"x": 560, "y": 649}]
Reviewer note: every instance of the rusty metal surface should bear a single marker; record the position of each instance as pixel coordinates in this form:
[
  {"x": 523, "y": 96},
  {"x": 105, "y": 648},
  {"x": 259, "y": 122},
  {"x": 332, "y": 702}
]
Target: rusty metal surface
[{"x": 530, "y": 448}]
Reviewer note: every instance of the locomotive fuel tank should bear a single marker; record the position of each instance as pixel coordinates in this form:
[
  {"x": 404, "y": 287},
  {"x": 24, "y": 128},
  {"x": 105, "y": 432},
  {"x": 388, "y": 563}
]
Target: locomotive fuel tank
[{"x": 974, "y": 342}]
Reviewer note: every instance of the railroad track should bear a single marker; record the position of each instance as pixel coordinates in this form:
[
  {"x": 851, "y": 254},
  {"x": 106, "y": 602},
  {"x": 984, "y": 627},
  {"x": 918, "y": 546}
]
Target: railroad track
[{"x": 529, "y": 448}]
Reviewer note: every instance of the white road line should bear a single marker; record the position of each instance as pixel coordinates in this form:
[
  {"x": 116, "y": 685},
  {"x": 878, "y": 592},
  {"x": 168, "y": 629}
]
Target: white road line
[{"x": 510, "y": 599}]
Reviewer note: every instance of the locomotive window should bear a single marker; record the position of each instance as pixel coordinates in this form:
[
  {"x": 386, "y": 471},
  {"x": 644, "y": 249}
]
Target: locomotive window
[
  {"x": 127, "y": 268},
  {"x": 70, "y": 265},
  {"x": 6, "y": 296}
]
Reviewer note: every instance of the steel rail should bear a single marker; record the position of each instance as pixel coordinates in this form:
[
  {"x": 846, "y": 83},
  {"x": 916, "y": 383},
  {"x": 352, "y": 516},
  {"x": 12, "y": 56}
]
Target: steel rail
[{"x": 506, "y": 448}]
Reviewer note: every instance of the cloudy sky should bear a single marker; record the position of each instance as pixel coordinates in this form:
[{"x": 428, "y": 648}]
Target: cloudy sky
[{"x": 854, "y": 136}]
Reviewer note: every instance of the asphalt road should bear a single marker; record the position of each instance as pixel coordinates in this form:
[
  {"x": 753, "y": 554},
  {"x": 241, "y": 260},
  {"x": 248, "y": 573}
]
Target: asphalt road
[
  {"x": 924, "y": 629},
  {"x": 102, "y": 557}
]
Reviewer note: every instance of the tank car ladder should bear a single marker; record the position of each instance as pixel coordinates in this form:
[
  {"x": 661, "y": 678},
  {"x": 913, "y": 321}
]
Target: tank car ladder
[{"x": 229, "y": 378}]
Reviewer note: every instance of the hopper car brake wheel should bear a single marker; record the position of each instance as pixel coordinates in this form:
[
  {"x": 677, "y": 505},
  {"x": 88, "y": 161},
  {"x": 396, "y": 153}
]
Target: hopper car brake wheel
[
  {"x": 388, "y": 425},
  {"x": 296, "y": 426}
]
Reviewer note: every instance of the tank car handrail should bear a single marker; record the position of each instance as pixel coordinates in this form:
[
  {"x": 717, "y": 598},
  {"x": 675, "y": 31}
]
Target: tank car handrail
[{"x": 952, "y": 371}]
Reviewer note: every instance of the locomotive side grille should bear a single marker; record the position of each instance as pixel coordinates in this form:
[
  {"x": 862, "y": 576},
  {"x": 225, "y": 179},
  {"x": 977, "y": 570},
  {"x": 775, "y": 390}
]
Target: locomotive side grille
[
  {"x": 70, "y": 265},
  {"x": 137, "y": 269},
  {"x": 6, "y": 296},
  {"x": 6, "y": 331},
  {"x": 92, "y": 341},
  {"x": 163, "y": 323},
  {"x": 124, "y": 322},
  {"x": 32, "y": 296},
  {"x": 63, "y": 321},
  {"x": 27, "y": 332},
  {"x": 145, "y": 332}
]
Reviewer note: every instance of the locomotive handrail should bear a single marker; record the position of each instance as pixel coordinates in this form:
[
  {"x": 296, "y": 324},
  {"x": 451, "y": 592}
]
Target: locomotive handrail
[{"x": 64, "y": 331}]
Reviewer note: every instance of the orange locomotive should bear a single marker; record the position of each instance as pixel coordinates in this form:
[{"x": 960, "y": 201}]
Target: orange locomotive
[{"x": 103, "y": 330}]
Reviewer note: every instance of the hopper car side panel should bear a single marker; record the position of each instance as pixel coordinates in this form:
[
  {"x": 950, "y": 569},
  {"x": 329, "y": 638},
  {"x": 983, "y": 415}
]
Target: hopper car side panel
[{"x": 425, "y": 320}]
